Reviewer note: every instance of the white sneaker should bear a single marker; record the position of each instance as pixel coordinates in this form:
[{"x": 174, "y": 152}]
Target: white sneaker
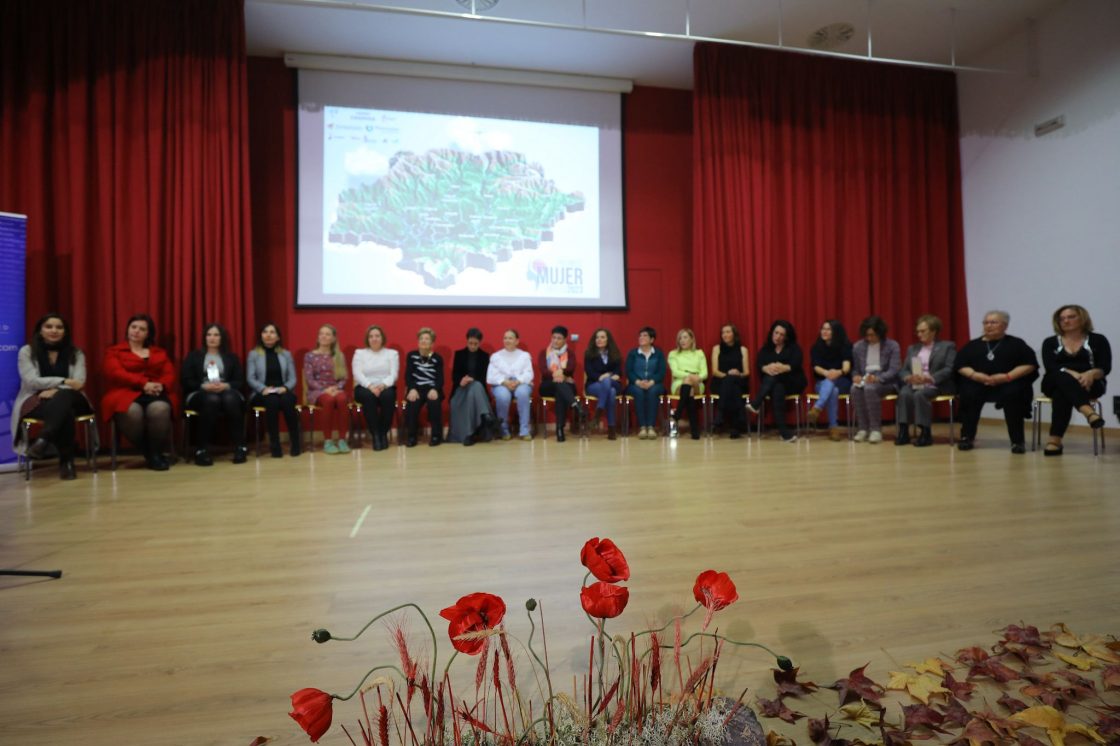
[
  {"x": 861, "y": 436},
  {"x": 875, "y": 437},
  {"x": 643, "y": 433},
  {"x": 790, "y": 439}
]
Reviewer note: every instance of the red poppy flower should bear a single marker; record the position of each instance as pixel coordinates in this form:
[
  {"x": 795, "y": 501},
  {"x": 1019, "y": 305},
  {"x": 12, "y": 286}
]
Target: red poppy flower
[
  {"x": 715, "y": 590},
  {"x": 604, "y": 560},
  {"x": 311, "y": 708},
  {"x": 603, "y": 600},
  {"x": 473, "y": 613}
]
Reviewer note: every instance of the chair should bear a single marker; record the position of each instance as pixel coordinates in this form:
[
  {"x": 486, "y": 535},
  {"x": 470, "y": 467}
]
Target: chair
[
  {"x": 258, "y": 411},
  {"x": 795, "y": 399},
  {"x": 88, "y": 420},
  {"x": 620, "y": 400},
  {"x": 709, "y": 415},
  {"x": 357, "y": 431},
  {"x": 667, "y": 401},
  {"x": 185, "y": 437},
  {"x": 1036, "y": 423},
  {"x": 845, "y": 399}
]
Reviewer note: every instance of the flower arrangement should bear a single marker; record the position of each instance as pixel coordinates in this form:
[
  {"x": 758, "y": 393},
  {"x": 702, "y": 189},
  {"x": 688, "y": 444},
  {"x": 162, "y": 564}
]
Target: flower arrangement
[{"x": 628, "y": 694}]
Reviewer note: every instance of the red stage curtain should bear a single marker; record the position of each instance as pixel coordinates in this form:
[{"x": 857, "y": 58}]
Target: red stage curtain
[
  {"x": 824, "y": 189},
  {"x": 123, "y": 137}
]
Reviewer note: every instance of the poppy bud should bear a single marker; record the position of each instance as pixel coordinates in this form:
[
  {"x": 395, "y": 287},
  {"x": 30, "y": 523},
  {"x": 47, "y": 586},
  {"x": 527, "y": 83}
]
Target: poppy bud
[
  {"x": 531, "y": 604},
  {"x": 320, "y": 635},
  {"x": 785, "y": 663}
]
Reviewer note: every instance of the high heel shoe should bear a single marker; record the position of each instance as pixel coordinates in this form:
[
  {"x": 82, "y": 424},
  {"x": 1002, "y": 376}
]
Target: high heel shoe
[{"x": 1095, "y": 421}]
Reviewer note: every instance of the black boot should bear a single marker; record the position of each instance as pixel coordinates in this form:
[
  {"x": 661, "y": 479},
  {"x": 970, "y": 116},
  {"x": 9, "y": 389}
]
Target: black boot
[
  {"x": 202, "y": 457},
  {"x": 66, "y": 469},
  {"x": 155, "y": 460},
  {"x": 560, "y": 438},
  {"x": 925, "y": 436},
  {"x": 240, "y": 455},
  {"x": 903, "y": 438},
  {"x": 39, "y": 448}
]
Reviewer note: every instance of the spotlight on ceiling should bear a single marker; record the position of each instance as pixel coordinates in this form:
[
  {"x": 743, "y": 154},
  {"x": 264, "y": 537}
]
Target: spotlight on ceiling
[{"x": 474, "y": 6}]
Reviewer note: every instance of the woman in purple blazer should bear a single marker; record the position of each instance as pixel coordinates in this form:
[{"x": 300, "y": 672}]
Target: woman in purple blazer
[{"x": 876, "y": 362}]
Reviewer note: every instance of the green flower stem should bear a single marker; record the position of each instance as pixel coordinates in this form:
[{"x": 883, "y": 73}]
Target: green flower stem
[
  {"x": 368, "y": 674},
  {"x": 431, "y": 631},
  {"x": 542, "y": 664},
  {"x": 666, "y": 625}
]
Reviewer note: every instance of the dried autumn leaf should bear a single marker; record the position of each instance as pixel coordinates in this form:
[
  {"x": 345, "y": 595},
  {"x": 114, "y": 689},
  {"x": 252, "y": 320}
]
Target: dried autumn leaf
[
  {"x": 1081, "y": 662},
  {"x": 1025, "y": 740},
  {"x": 819, "y": 731},
  {"x": 777, "y": 739},
  {"x": 972, "y": 655},
  {"x": 1094, "y": 645},
  {"x": 1012, "y": 704},
  {"x": 920, "y": 687},
  {"x": 1108, "y": 726},
  {"x": 858, "y": 687},
  {"x": 993, "y": 669},
  {"x": 1064, "y": 637},
  {"x": 776, "y": 708},
  {"x": 1046, "y": 695},
  {"x": 788, "y": 684},
  {"x": 955, "y": 714},
  {"x": 921, "y": 716},
  {"x": 1079, "y": 687},
  {"x": 931, "y": 665},
  {"x": 1054, "y": 723},
  {"x": 978, "y": 732},
  {"x": 960, "y": 689},
  {"x": 859, "y": 712},
  {"x": 1110, "y": 677}
]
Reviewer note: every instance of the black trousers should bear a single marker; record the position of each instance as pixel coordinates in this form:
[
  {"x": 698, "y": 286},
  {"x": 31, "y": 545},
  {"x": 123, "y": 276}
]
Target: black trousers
[
  {"x": 731, "y": 407},
  {"x": 1013, "y": 398},
  {"x": 212, "y": 405},
  {"x": 775, "y": 388},
  {"x": 58, "y": 413},
  {"x": 1066, "y": 395},
  {"x": 377, "y": 408},
  {"x": 275, "y": 405},
  {"x": 435, "y": 412},
  {"x": 688, "y": 404},
  {"x": 565, "y": 395}
]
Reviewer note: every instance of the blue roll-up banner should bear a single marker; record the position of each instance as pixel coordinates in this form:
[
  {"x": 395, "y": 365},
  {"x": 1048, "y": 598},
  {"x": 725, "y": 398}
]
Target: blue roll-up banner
[{"x": 13, "y": 268}]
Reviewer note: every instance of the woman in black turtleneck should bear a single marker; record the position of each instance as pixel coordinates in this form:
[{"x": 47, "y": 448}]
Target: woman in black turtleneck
[
  {"x": 730, "y": 378},
  {"x": 272, "y": 378}
]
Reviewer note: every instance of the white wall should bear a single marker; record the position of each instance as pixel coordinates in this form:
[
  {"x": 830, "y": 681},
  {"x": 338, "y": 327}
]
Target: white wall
[{"x": 1042, "y": 215}]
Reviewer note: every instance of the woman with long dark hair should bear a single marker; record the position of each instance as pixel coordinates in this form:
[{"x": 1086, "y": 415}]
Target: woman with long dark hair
[
  {"x": 272, "y": 378},
  {"x": 831, "y": 358},
  {"x": 52, "y": 373},
  {"x": 212, "y": 380},
  {"x": 139, "y": 380},
  {"x": 780, "y": 364},
  {"x": 602, "y": 366}
]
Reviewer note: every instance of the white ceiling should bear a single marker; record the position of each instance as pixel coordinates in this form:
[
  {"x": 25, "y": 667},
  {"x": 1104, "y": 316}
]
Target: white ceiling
[{"x": 611, "y": 37}]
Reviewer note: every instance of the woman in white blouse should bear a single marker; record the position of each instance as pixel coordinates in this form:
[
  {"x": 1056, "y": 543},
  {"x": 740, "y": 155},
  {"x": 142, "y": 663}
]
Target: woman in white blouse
[
  {"x": 510, "y": 376},
  {"x": 375, "y": 368}
]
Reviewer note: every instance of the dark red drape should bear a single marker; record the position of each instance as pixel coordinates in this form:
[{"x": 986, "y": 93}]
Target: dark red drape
[
  {"x": 123, "y": 137},
  {"x": 825, "y": 188}
]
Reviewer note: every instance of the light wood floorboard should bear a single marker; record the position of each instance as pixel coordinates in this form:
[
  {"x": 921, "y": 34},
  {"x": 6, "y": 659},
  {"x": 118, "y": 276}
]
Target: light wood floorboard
[{"x": 184, "y": 613}]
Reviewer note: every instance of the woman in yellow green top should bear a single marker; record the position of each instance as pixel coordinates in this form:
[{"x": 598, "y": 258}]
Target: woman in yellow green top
[{"x": 689, "y": 367}]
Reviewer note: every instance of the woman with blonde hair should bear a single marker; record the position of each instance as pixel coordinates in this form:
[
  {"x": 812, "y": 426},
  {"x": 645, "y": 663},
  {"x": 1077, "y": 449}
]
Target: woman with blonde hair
[
  {"x": 1076, "y": 360},
  {"x": 690, "y": 369},
  {"x": 324, "y": 384}
]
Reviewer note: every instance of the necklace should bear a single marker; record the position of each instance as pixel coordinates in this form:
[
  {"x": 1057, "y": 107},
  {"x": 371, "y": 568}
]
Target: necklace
[{"x": 992, "y": 350}]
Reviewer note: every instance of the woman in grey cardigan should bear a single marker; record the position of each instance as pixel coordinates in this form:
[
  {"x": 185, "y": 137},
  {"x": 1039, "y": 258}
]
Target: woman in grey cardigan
[
  {"x": 52, "y": 373},
  {"x": 927, "y": 372},
  {"x": 875, "y": 366},
  {"x": 271, "y": 373}
]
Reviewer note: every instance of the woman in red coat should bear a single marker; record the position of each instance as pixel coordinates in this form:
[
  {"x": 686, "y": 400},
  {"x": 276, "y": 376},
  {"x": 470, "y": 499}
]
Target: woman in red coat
[{"x": 139, "y": 383}]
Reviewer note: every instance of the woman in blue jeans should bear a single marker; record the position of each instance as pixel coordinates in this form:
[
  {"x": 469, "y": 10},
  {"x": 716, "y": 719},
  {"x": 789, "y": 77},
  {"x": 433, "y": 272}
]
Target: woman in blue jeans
[
  {"x": 602, "y": 364},
  {"x": 645, "y": 370},
  {"x": 510, "y": 377},
  {"x": 831, "y": 357}
]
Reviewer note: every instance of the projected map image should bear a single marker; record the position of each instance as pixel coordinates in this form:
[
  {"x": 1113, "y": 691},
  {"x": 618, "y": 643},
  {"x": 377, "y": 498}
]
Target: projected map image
[{"x": 448, "y": 210}]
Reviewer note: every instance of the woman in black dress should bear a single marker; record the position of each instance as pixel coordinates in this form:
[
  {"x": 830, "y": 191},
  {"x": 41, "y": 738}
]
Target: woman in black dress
[{"x": 1076, "y": 361}]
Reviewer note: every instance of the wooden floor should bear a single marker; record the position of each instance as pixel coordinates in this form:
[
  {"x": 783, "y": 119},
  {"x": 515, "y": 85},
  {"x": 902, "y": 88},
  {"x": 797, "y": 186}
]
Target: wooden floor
[{"x": 184, "y": 613}]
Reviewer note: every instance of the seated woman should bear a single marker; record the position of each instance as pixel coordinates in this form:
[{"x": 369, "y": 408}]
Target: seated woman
[
  {"x": 375, "y": 368},
  {"x": 324, "y": 385},
  {"x": 52, "y": 373},
  {"x": 831, "y": 358},
  {"x": 212, "y": 381},
  {"x": 272, "y": 379},
  {"x": 876, "y": 362},
  {"x": 645, "y": 370},
  {"x": 423, "y": 375},
  {"x": 471, "y": 418},
  {"x": 731, "y": 378},
  {"x": 138, "y": 379},
  {"x": 927, "y": 371},
  {"x": 602, "y": 367},
  {"x": 1076, "y": 361},
  {"x": 690, "y": 369},
  {"x": 510, "y": 376},
  {"x": 780, "y": 362},
  {"x": 558, "y": 366},
  {"x": 998, "y": 368}
]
